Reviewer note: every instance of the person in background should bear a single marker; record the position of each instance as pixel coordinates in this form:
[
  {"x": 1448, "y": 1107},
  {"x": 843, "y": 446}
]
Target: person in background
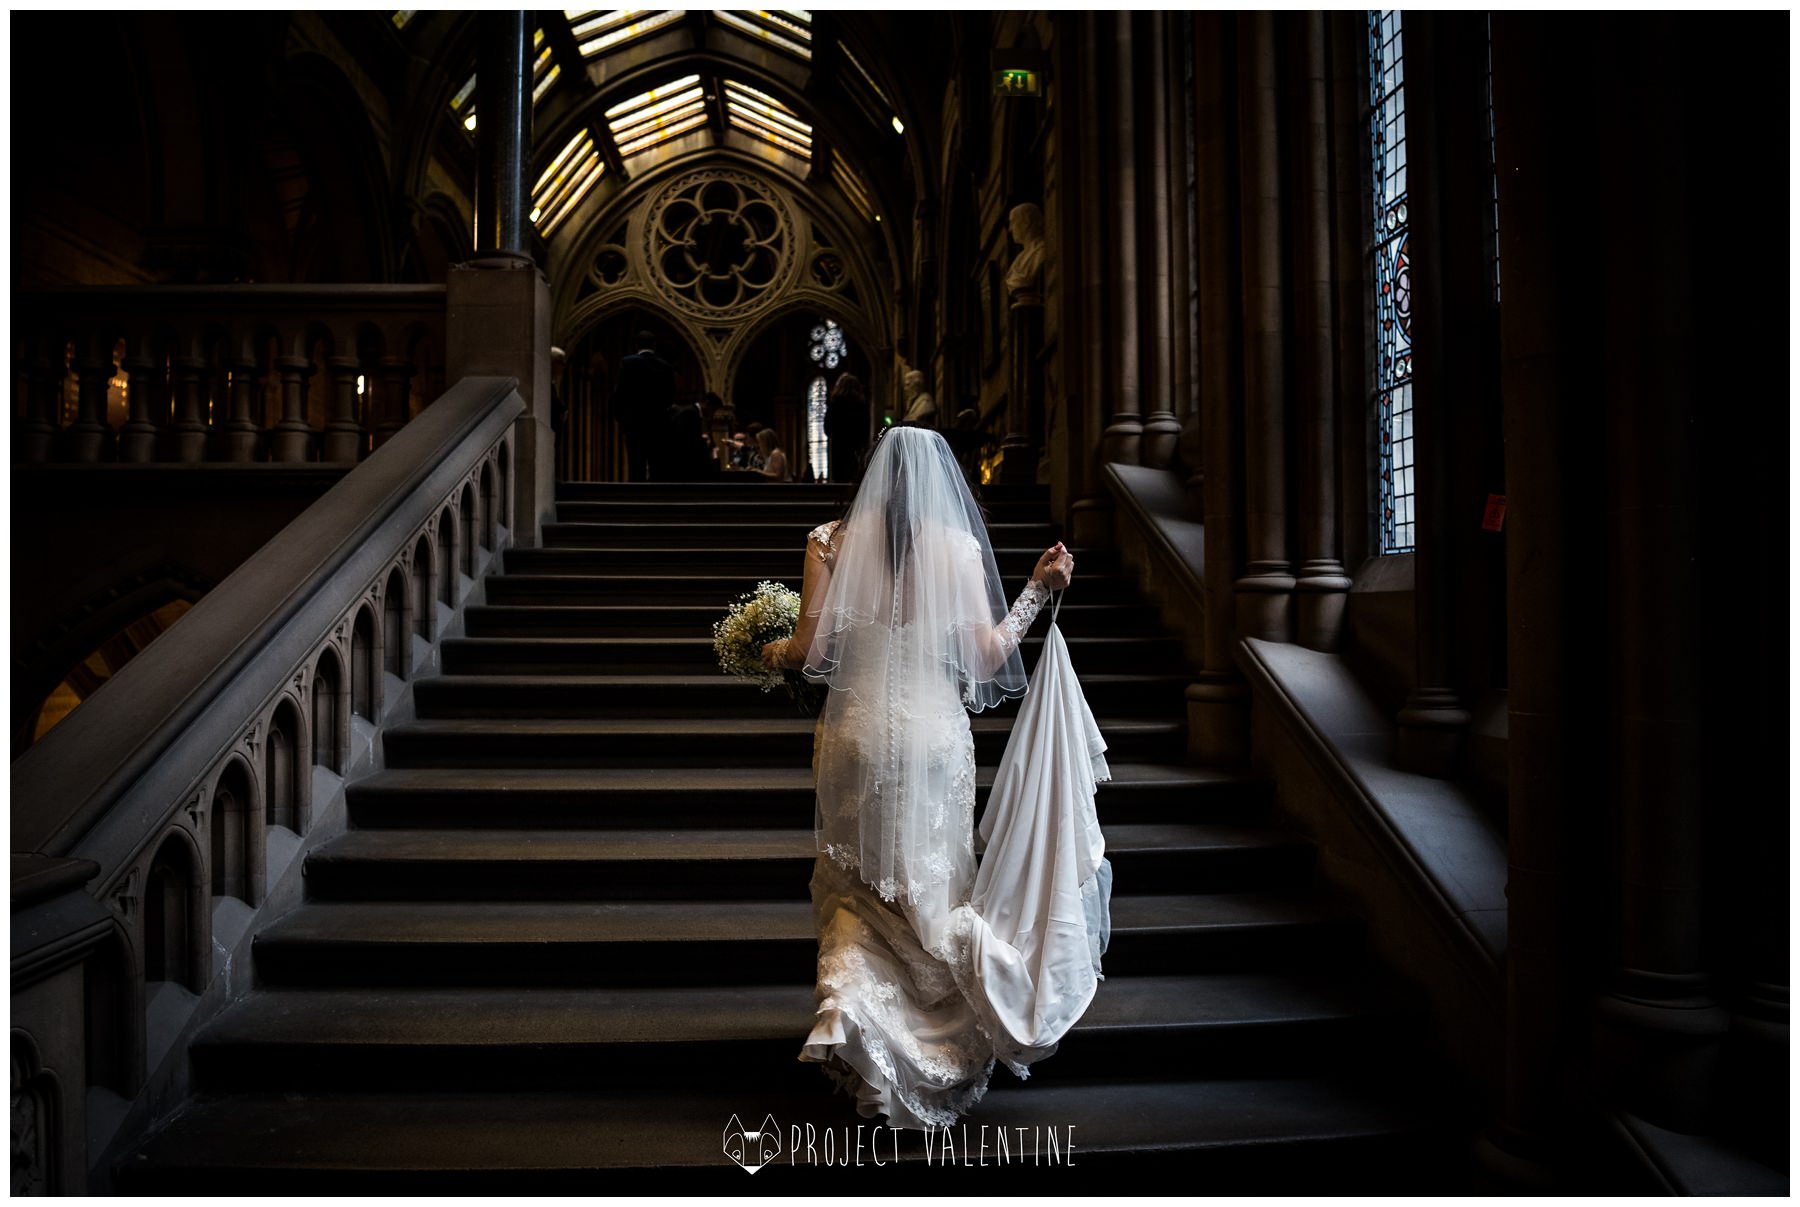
[
  {"x": 775, "y": 460},
  {"x": 640, "y": 403},
  {"x": 847, "y": 427}
]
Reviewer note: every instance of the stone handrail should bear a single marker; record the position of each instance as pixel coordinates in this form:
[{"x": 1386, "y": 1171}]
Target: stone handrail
[
  {"x": 188, "y": 373},
  {"x": 147, "y": 815}
]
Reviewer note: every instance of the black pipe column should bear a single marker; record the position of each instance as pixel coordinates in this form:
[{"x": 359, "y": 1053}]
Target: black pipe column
[{"x": 502, "y": 132}]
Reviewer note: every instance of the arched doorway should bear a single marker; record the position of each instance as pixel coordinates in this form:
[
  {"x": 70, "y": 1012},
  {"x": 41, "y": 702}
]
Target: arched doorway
[
  {"x": 780, "y": 384},
  {"x": 595, "y": 451}
]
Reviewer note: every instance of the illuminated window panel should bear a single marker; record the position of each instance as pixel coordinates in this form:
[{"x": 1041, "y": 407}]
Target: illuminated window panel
[
  {"x": 544, "y": 71},
  {"x": 1393, "y": 281},
  {"x": 463, "y": 104},
  {"x": 788, "y": 29},
  {"x": 853, "y": 188},
  {"x": 600, "y": 30},
  {"x": 401, "y": 18},
  {"x": 763, "y": 117},
  {"x": 653, "y": 118},
  {"x": 576, "y": 169}
]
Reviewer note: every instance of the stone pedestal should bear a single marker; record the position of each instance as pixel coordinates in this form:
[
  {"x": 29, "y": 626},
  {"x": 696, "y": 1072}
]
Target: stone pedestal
[{"x": 498, "y": 324}]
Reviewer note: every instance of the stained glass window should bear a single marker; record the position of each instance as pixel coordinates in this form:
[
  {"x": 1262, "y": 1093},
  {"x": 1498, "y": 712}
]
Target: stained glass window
[
  {"x": 829, "y": 350},
  {"x": 1393, "y": 280}
]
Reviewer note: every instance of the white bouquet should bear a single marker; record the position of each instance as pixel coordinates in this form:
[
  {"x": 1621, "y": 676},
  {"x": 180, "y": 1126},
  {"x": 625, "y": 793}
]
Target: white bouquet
[{"x": 758, "y": 617}]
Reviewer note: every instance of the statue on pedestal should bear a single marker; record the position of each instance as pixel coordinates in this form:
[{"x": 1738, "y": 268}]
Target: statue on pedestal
[
  {"x": 1025, "y": 278},
  {"x": 921, "y": 407}
]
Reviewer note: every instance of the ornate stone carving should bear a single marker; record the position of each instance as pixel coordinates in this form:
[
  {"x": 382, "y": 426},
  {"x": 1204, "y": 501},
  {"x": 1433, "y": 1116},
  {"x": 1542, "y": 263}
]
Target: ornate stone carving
[
  {"x": 124, "y": 897},
  {"x": 30, "y": 1122},
  {"x": 719, "y": 244}
]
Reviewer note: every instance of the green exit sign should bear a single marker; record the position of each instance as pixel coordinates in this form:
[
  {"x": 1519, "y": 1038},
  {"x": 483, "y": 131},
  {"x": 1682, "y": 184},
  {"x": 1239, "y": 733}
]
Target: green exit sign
[{"x": 1018, "y": 81}]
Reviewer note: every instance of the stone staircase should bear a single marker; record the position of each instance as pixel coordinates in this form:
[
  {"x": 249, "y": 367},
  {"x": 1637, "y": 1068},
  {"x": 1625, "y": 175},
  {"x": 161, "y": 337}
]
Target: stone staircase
[{"x": 566, "y": 936}]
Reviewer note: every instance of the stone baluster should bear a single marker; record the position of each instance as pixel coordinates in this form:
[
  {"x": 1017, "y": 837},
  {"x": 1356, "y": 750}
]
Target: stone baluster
[
  {"x": 89, "y": 437},
  {"x": 292, "y": 438},
  {"x": 43, "y": 389},
  {"x": 345, "y": 436},
  {"x": 392, "y": 391},
  {"x": 138, "y": 438},
  {"x": 188, "y": 433},
  {"x": 242, "y": 432},
  {"x": 1265, "y": 590},
  {"x": 1322, "y": 588}
]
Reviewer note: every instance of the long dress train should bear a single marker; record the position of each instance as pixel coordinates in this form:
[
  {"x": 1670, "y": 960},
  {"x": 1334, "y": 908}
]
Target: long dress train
[{"x": 923, "y": 985}]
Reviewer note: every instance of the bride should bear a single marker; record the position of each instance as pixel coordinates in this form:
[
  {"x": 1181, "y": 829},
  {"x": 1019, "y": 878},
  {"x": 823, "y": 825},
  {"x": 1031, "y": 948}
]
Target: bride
[{"x": 902, "y": 614}]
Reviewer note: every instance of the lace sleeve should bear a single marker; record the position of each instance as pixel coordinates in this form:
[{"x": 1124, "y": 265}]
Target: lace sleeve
[
  {"x": 1024, "y": 610},
  {"x": 824, "y": 534}
]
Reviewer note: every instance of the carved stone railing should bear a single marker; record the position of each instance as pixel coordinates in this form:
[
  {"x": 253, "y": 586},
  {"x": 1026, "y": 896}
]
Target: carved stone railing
[
  {"x": 222, "y": 372},
  {"x": 160, "y": 817}
]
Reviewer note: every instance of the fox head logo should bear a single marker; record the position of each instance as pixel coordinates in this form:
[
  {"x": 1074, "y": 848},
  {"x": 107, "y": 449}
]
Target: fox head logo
[{"x": 752, "y": 1149}]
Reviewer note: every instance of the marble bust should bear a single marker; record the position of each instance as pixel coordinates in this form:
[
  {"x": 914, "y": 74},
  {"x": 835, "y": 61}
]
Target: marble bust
[
  {"x": 1026, "y": 275},
  {"x": 920, "y": 406}
]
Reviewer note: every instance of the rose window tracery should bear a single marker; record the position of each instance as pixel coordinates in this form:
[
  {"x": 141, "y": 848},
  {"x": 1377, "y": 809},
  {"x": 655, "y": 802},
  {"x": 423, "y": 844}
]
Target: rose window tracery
[{"x": 719, "y": 244}]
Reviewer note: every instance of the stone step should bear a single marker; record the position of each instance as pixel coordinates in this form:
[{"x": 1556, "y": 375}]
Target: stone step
[
  {"x": 746, "y": 1037},
  {"x": 708, "y": 534},
  {"x": 635, "y": 798},
  {"x": 762, "y": 494},
  {"x": 715, "y": 695},
  {"x": 687, "y": 742},
  {"x": 806, "y": 513},
  {"x": 596, "y": 585},
  {"x": 1278, "y": 1135},
  {"x": 711, "y": 864},
  {"x": 374, "y": 943},
  {"x": 670, "y": 620},
  {"x": 588, "y": 655},
  {"x": 1014, "y": 562}
]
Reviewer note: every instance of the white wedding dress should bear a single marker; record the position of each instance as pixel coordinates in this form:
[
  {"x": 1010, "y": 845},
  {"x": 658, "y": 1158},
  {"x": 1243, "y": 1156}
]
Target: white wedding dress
[{"x": 929, "y": 971}]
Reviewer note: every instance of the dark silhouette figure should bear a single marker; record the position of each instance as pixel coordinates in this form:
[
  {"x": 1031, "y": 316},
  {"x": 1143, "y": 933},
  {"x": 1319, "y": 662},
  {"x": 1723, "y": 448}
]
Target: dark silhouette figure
[
  {"x": 847, "y": 427},
  {"x": 641, "y": 400}
]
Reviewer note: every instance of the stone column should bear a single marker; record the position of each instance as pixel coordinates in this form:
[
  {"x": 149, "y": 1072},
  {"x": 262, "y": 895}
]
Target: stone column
[
  {"x": 43, "y": 389},
  {"x": 390, "y": 388},
  {"x": 188, "y": 433},
  {"x": 1265, "y": 590},
  {"x": 1322, "y": 588},
  {"x": 1661, "y": 1024},
  {"x": 345, "y": 437},
  {"x": 1123, "y": 439},
  {"x": 292, "y": 438},
  {"x": 1159, "y": 210},
  {"x": 1218, "y": 702},
  {"x": 1090, "y": 508},
  {"x": 137, "y": 439},
  {"x": 1434, "y": 723},
  {"x": 1551, "y": 789},
  {"x": 242, "y": 433},
  {"x": 89, "y": 437}
]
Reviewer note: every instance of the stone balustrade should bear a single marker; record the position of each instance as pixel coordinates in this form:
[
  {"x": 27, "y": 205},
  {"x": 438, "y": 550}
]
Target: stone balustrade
[
  {"x": 245, "y": 373},
  {"x": 153, "y": 825}
]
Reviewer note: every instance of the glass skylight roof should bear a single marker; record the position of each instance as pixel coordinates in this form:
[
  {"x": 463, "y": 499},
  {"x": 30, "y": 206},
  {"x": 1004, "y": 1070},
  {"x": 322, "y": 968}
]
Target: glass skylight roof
[
  {"x": 790, "y": 29},
  {"x": 763, "y": 117},
  {"x": 599, "y": 30},
  {"x": 656, "y": 116},
  {"x": 575, "y": 170}
]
